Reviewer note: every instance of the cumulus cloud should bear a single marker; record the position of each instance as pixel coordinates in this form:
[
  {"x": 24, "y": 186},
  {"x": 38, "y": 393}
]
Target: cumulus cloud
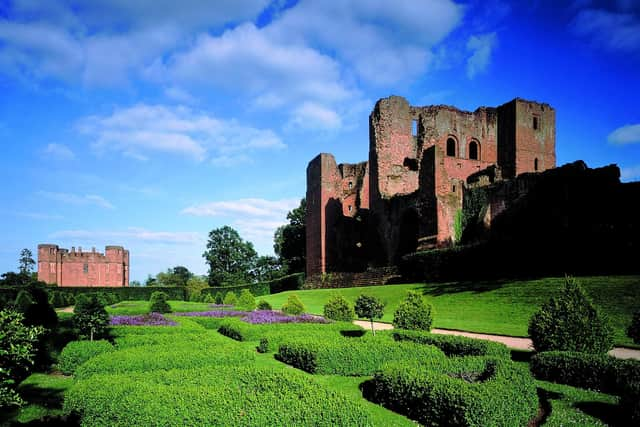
[
  {"x": 77, "y": 199},
  {"x": 627, "y": 134},
  {"x": 610, "y": 29},
  {"x": 310, "y": 115},
  {"x": 58, "y": 151},
  {"x": 482, "y": 46},
  {"x": 131, "y": 234},
  {"x": 141, "y": 129}
]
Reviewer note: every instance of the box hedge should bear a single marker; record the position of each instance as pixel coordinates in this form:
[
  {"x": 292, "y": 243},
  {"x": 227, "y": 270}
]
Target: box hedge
[
  {"x": 351, "y": 356},
  {"x": 455, "y": 345},
  {"x": 256, "y": 289},
  {"x": 470, "y": 391},
  {"x": 219, "y": 396},
  {"x": 76, "y": 353}
]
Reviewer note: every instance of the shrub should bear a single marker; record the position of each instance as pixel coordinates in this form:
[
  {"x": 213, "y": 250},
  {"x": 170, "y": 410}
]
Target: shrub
[
  {"x": 221, "y": 396},
  {"x": 263, "y": 347},
  {"x": 413, "y": 313},
  {"x": 630, "y": 402},
  {"x": 230, "y": 299},
  {"x": 570, "y": 322},
  {"x": 338, "y": 308},
  {"x": 236, "y": 330},
  {"x": 246, "y": 301},
  {"x": 76, "y": 353},
  {"x": 219, "y": 298},
  {"x": 17, "y": 350},
  {"x": 90, "y": 317},
  {"x": 293, "y": 306},
  {"x": 472, "y": 391},
  {"x": 23, "y": 301},
  {"x": 158, "y": 303},
  {"x": 351, "y": 356},
  {"x": 370, "y": 308},
  {"x": 264, "y": 305},
  {"x": 454, "y": 345},
  {"x": 634, "y": 328},
  {"x": 584, "y": 370},
  {"x": 209, "y": 299}
]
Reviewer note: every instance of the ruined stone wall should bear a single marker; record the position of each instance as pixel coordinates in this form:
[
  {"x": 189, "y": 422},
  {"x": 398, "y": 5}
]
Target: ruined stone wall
[{"x": 77, "y": 268}]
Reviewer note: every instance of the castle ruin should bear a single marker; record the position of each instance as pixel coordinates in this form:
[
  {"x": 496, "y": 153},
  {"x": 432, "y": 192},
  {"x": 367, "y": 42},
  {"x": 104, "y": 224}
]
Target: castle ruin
[{"x": 77, "y": 268}]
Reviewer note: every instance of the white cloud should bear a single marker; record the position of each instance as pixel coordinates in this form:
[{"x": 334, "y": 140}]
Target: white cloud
[
  {"x": 482, "y": 46},
  {"x": 76, "y": 199},
  {"x": 627, "y": 134},
  {"x": 612, "y": 30},
  {"x": 179, "y": 95},
  {"x": 314, "y": 116},
  {"x": 244, "y": 207},
  {"x": 138, "y": 130},
  {"x": 630, "y": 173},
  {"x": 131, "y": 234},
  {"x": 59, "y": 151}
]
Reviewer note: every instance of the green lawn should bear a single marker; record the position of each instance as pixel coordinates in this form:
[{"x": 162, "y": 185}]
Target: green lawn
[
  {"x": 497, "y": 307},
  {"x": 141, "y": 307}
]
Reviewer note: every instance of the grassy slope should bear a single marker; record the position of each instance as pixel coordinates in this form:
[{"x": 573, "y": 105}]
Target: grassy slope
[{"x": 498, "y": 307}]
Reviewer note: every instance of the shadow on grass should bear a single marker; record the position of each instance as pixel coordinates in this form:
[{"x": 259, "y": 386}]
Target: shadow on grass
[
  {"x": 522, "y": 355},
  {"x": 608, "y": 413},
  {"x": 437, "y": 289},
  {"x": 352, "y": 334},
  {"x": 50, "y": 398}
]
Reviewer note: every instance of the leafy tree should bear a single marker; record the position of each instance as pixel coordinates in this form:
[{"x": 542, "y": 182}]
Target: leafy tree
[
  {"x": 90, "y": 316},
  {"x": 290, "y": 240},
  {"x": 268, "y": 268},
  {"x": 338, "y": 308},
  {"x": 158, "y": 303},
  {"x": 135, "y": 283},
  {"x": 183, "y": 273},
  {"x": 230, "y": 298},
  {"x": 413, "y": 313},
  {"x": 17, "y": 350},
  {"x": 570, "y": 322},
  {"x": 151, "y": 281},
  {"x": 634, "y": 328},
  {"x": 11, "y": 278},
  {"x": 246, "y": 301},
  {"x": 369, "y": 307},
  {"x": 26, "y": 262},
  {"x": 209, "y": 299},
  {"x": 194, "y": 287},
  {"x": 174, "y": 277},
  {"x": 231, "y": 260},
  {"x": 293, "y": 306}
]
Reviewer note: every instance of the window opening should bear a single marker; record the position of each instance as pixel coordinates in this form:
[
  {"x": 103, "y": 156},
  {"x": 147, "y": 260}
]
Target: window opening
[
  {"x": 535, "y": 123},
  {"x": 350, "y": 185},
  {"x": 535, "y": 165},
  {"x": 85, "y": 268},
  {"x": 473, "y": 151},
  {"x": 451, "y": 147},
  {"x": 414, "y": 127}
]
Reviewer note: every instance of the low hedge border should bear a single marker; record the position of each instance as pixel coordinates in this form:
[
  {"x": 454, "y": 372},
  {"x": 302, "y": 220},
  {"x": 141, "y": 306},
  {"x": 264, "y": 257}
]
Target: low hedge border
[
  {"x": 257, "y": 289},
  {"x": 351, "y": 356},
  {"x": 76, "y": 353},
  {"x": 470, "y": 391},
  {"x": 221, "y": 396},
  {"x": 455, "y": 345}
]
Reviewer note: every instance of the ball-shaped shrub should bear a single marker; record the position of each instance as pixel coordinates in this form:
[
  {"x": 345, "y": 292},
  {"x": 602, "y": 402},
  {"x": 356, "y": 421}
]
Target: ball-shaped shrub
[
  {"x": 570, "y": 322},
  {"x": 209, "y": 299},
  {"x": 338, "y": 308},
  {"x": 158, "y": 303},
  {"x": 413, "y": 313},
  {"x": 634, "y": 329},
  {"x": 293, "y": 306},
  {"x": 246, "y": 301},
  {"x": 230, "y": 298},
  {"x": 264, "y": 305}
]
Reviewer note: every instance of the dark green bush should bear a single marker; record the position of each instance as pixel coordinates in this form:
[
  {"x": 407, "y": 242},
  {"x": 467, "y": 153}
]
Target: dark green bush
[
  {"x": 76, "y": 353},
  {"x": 230, "y": 298},
  {"x": 158, "y": 303},
  {"x": 338, "y": 308},
  {"x": 292, "y": 282},
  {"x": 351, "y": 356},
  {"x": 246, "y": 301},
  {"x": 630, "y": 402},
  {"x": 634, "y": 328},
  {"x": 413, "y": 313},
  {"x": 23, "y": 301},
  {"x": 263, "y": 347},
  {"x": 264, "y": 305},
  {"x": 472, "y": 391},
  {"x": 219, "y": 298},
  {"x": 455, "y": 346},
  {"x": 293, "y": 306},
  {"x": 220, "y": 396},
  {"x": 570, "y": 322},
  {"x": 592, "y": 371}
]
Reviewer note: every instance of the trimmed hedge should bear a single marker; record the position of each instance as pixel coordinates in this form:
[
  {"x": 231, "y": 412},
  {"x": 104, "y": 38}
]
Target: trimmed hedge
[
  {"x": 471, "y": 391},
  {"x": 591, "y": 371},
  {"x": 76, "y": 353},
  {"x": 351, "y": 356},
  {"x": 219, "y": 396},
  {"x": 256, "y": 289},
  {"x": 184, "y": 325},
  {"x": 292, "y": 282},
  {"x": 196, "y": 339},
  {"x": 454, "y": 345}
]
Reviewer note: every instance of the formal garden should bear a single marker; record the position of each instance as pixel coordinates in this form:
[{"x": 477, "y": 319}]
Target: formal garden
[{"x": 296, "y": 358}]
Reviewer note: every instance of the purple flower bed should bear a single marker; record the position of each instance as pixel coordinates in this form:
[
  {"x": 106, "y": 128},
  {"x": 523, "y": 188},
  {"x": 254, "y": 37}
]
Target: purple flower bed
[
  {"x": 258, "y": 316},
  {"x": 151, "y": 319}
]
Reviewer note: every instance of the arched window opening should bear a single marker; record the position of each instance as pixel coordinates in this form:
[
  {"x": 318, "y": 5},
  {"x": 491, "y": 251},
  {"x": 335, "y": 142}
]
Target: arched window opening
[
  {"x": 474, "y": 150},
  {"x": 451, "y": 147},
  {"x": 535, "y": 165}
]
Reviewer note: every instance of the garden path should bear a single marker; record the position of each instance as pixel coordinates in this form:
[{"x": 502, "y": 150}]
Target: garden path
[{"x": 511, "y": 342}]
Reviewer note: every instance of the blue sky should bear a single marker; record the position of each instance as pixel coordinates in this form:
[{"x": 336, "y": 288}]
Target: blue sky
[{"x": 149, "y": 123}]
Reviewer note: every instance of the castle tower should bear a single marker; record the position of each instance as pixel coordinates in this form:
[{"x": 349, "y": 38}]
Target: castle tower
[{"x": 48, "y": 261}]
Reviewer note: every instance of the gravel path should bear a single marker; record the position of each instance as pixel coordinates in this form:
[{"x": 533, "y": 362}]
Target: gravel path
[{"x": 511, "y": 342}]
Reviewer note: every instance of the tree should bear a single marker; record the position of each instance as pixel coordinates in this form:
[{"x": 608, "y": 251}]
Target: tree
[
  {"x": 26, "y": 262},
  {"x": 413, "y": 313},
  {"x": 268, "y": 268},
  {"x": 369, "y": 307},
  {"x": 90, "y": 316},
  {"x": 231, "y": 260},
  {"x": 151, "y": 281},
  {"x": 570, "y": 322},
  {"x": 290, "y": 240},
  {"x": 194, "y": 287},
  {"x": 246, "y": 300},
  {"x": 338, "y": 308},
  {"x": 17, "y": 350}
]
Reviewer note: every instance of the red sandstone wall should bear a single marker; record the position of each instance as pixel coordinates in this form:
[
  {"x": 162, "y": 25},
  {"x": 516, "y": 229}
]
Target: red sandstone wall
[{"x": 533, "y": 143}]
